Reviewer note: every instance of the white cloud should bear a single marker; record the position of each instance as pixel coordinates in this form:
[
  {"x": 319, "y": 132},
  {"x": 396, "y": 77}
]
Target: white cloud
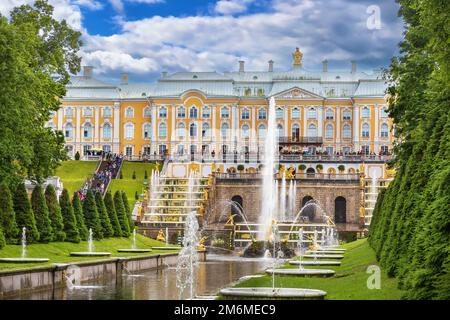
[
  {"x": 227, "y": 7},
  {"x": 147, "y": 1},
  {"x": 90, "y": 4},
  {"x": 117, "y": 6}
]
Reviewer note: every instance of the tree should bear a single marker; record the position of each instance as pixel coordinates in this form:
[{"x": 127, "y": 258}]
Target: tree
[
  {"x": 107, "y": 228},
  {"x": 77, "y": 156},
  {"x": 2, "y": 238},
  {"x": 91, "y": 215},
  {"x": 38, "y": 55},
  {"x": 24, "y": 213},
  {"x": 136, "y": 196},
  {"x": 54, "y": 211},
  {"x": 128, "y": 212},
  {"x": 146, "y": 175},
  {"x": 121, "y": 214},
  {"x": 110, "y": 208},
  {"x": 134, "y": 175},
  {"x": 40, "y": 210},
  {"x": 69, "y": 219},
  {"x": 78, "y": 212},
  {"x": 7, "y": 215}
]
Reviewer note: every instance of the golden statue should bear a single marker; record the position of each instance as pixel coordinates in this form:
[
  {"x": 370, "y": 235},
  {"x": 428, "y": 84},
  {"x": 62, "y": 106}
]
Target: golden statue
[
  {"x": 161, "y": 236},
  {"x": 201, "y": 210},
  {"x": 290, "y": 173},
  {"x": 230, "y": 221},
  {"x": 206, "y": 194},
  {"x": 213, "y": 167},
  {"x": 201, "y": 243},
  {"x": 297, "y": 55},
  {"x": 281, "y": 171}
]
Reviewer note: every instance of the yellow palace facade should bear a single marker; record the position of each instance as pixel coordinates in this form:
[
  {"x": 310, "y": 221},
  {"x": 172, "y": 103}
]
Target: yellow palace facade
[{"x": 215, "y": 115}]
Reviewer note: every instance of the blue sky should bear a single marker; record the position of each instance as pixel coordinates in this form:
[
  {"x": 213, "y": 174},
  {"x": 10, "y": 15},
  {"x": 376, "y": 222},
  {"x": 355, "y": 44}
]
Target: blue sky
[{"x": 146, "y": 37}]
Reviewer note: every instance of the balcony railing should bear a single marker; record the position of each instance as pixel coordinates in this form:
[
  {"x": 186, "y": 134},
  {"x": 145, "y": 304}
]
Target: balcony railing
[
  {"x": 298, "y": 176},
  {"x": 300, "y": 140}
]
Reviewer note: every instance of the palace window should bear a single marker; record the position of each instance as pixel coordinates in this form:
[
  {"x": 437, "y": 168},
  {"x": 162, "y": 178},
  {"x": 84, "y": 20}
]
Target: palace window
[
  {"x": 87, "y": 130},
  {"x": 162, "y": 149},
  {"x": 346, "y": 115},
  {"x": 205, "y": 130},
  {"x": 206, "y": 114},
  {"x": 107, "y": 131},
  {"x": 224, "y": 113},
  {"x": 245, "y": 131},
  {"x": 384, "y": 112},
  {"x": 146, "y": 150},
  {"x": 329, "y": 114},
  {"x": 312, "y": 114},
  {"x": 162, "y": 130},
  {"x": 107, "y": 112},
  {"x": 88, "y": 112},
  {"x": 245, "y": 114},
  {"x": 384, "y": 133},
  {"x": 329, "y": 131},
  {"x": 312, "y": 130},
  {"x": 365, "y": 113},
  {"x": 86, "y": 149},
  {"x": 296, "y": 113},
  {"x": 347, "y": 131},
  {"x": 295, "y": 132},
  {"x": 147, "y": 130},
  {"x": 224, "y": 130},
  {"x": 129, "y": 113},
  {"x": 181, "y": 128},
  {"x": 279, "y": 113},
  {"x": 147, "y": 112},
  {"x": 68, "y": 131},
  {"x": 129, "y": 151},
  {"x": 262, "y": 114},
  {"x": 163, "y": 112},
  {"x": 68, "y": 112},
  {"x": 365, "y": 133},
  {"x": 129, "y": 131},
  {"x": 193, "y": 113},
  {"x": 181, "y": 112},
  {"x": 385, "y": 149},
  {"x": 365, "y": 150},
  {"x": 106, "y": 148},
  {"x": 193, "y": 130},
  {"x": 262, "y": 132},
  {"x": 279, "y": 130}
]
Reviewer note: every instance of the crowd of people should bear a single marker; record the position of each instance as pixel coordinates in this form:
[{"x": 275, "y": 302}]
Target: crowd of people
[{"x": 108, "y": 169}]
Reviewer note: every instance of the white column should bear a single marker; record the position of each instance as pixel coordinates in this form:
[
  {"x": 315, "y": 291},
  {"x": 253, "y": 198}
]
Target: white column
[
  {"x": 356, "y": 128},
  {"x": 234, "y": 126},
  {"x": 96, "y": 135},
  {"x": 286, "y": 122},
  {"x": 116, "y": 129},
  {"x": 77, "y": 134},
  {"x": 338, "y": 127},
  {"x": 375, "y": 137},
  {"x": 304, "y": 120},
  {"x": 154, "y": 128},
  {"x": 214, "y": 129},
  {"x": 173, "y": 131},
  {"x": 60, "y": 118},
  {"x": 320, "y": 121}
]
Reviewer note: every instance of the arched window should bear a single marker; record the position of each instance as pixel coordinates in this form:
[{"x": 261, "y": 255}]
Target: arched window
[
  {"x": 68, "y": 112},
  {"x": 224, "y": 113},
  {"x": 279, "y": 112},
  {"x": 129, "y": 113},
  {"x": 192, "y": 130},
  {"x": 224, "y": 130},
  {"x": 262, "y": 114},
  {"x": 329, "y": 114},
  {"x": 245, "y": 131},
  {"x": 365, "y": 113},
  {"x": 147, "y": 112},
  {"x": 346, "y": 115},
  {"x": 237, "y": 208},
  {"x": 365, "y": 133},
  {"x": 107, "y": 131},
  {"x": 295, "y": 132},
  {"x": 193, "y": 113},
  {"x": 88, "y": 112},
  {"x": 205, "y": 130},
  {"x": 312, "y": 130},
  {"x": 245, "y": 114},
  {"x": 181, "y": 112},
  {"x": 296, "y": 113},
  {"x": 310, "y": 210},
  {"x": 206, "y": 112},
  {"x": 340, "y": 210},
  {"x": 329, "y": 131},
  {"x": 181, "y": 129},
  {"x": 262, "y": 132},
  {"x": 384, "y": 130},
  {"x": 347, "y": 131},
  {"x": 87, "y": 130},
  {"x": 68, "y": 130},
  {"x": 129, "y": 131},
  {"x": 279, "y": 130},
  {"x": 162, "y": 130},
  {"x": 312, "y": 114},
  {"x": 147, "y": 130},
  {"x": 163, "y": 112}
]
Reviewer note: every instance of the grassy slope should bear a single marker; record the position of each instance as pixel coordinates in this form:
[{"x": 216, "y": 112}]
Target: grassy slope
[
  {"x": 350, "y": 281},
  {"x": 129, "y": 185},
  {"x": 73, "y": 173},
  {"x": 58, "y": 252}
]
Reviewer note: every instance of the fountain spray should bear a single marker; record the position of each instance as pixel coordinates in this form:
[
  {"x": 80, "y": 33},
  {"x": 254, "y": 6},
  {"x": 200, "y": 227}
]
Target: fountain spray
[{"x": 24, "y": 242}]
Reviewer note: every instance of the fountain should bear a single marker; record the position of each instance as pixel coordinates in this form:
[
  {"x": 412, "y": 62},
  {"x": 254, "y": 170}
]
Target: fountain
[
  {"x": 134, "y": 248},
  {"x": 283, "y": 205},
  {"x": 23, "y": 258},
  {"x": 90, "y": 252},
  {"x": 188, "y": 257}
]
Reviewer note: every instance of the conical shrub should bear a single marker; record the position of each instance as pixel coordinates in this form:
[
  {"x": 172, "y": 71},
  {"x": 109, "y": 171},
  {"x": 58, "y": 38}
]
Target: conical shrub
[
  {"x": 107, "y": 229},
  {"x": 111, "y": 209},
  {"x": 78, "y": 212},
  {"x": 7, "y": 215},
  {"x": 54, "y": 212},
  {"x": 121, "y": 214},
  {"x": 69, "y": 220},
  {"x": 91, "y": 215},
  {"x": 24, "y": 214},
  {"x": 40, "y": 210}
]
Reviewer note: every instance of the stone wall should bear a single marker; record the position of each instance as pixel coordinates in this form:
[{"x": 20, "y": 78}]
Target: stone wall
[{"x": 323, "y": 190}]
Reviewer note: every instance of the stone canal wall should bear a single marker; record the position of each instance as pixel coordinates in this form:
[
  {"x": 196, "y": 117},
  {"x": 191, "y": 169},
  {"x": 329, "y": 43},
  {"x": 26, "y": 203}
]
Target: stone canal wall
[{"x": 14, "y": 282}]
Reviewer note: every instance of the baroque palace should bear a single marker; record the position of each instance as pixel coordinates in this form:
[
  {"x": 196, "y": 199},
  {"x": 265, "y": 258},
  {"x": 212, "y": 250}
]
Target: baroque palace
[{"x": 211, "y": 113}]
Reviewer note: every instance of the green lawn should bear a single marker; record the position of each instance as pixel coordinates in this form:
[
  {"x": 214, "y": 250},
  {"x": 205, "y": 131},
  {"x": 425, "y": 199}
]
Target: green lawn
[
  {"x": 349, "y": 283},
  {"x": 128, "y": 184},
  {"x": 74, "y": 173},
  {"x": 58, "y": 252}
]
